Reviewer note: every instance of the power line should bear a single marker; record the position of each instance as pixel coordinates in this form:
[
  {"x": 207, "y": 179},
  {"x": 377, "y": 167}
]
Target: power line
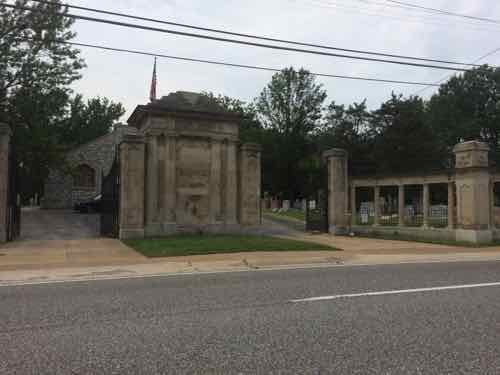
[
  {"x": 421, "y": 19},
  {"x": 442, "y": 11},
  {"x": 235, "y": 41},
  {"x": 234, "y": 65},
  {"x": 252, "y": 36},
  {"x": 448, "y": 76}
]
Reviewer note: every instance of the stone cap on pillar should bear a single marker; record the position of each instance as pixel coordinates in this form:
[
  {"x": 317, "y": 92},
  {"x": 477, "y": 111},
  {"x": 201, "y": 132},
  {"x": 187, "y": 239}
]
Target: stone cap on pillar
[
  {"x": 5, "y": 129},
  {"x": 335, "y": 153},
  {"x": 254, "y": 147},
  {"x": 133, "y": 138},
  {"x": 471, "y": 154}
]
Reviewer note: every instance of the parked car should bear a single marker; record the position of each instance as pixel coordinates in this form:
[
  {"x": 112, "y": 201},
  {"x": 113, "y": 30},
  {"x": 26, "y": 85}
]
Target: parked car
[{"x": 89, "y": 206}]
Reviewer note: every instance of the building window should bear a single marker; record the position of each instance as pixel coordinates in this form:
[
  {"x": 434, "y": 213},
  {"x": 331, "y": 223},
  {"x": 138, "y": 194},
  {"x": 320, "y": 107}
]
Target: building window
[{"x": 84, "y": 177}]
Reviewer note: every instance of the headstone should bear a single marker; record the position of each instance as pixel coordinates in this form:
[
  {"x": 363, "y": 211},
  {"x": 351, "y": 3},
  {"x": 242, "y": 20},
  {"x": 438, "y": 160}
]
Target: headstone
[
  {"x": 304, "y": 205},
  {"x": 274, "y": 204},
  {"x": 312, "y": 205},
  {"x": 297, "y": 204},
  {"x": 439, "y": 210},
  {"x": 364, "y": 212},
  {"x": 286, "y": 205}
]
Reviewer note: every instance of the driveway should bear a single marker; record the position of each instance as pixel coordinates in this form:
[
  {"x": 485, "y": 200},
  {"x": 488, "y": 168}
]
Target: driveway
[
  {"x": 61, "y": 238},
  {"x": 40, "y": 225}
]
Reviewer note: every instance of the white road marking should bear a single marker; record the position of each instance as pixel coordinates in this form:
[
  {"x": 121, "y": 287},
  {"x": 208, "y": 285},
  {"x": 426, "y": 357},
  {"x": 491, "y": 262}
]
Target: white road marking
[{"x": 401, "y": 291}]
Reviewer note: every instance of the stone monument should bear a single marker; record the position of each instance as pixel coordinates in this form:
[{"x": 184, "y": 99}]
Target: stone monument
[{"x": 196, "y": 176}]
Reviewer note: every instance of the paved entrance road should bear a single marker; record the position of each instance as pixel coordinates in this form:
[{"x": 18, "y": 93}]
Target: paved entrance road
[{"x": 244, "y": 323}]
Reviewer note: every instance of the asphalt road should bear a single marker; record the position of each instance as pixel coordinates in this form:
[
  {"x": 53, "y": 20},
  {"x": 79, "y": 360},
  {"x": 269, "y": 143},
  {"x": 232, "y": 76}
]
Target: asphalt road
[{"x": 245, "y": 323}]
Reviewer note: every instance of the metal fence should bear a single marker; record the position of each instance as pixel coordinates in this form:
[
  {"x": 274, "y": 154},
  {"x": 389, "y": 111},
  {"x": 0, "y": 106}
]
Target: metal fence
[
  {"x": 110, "y": 201},
  {"x": 13, "y": 198}
]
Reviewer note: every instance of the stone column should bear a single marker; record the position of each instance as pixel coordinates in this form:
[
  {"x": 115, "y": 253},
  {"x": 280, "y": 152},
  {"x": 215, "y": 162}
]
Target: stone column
[
  {"x": 169, "y": 182},
  {"x": 401, "y": 205},
  {"x": 353, "y": 206},
  {"x": 473, "y": 192},
  {"x": 492, "y": 205},
  {"x": 337, "y": 188},
  {"x": 5, "y": 135},
  {"x": 376, "y": 204},
  {"x": 451, "y": 205},
  {"x": 249, "y": 184},
  {"x": 153, "y": 224},
  {"x": 231, "y": 183},
  {"x": 426, "y": 202},
  {"x": 132, "y": 181},
  {"x": 215, "y": 182}
]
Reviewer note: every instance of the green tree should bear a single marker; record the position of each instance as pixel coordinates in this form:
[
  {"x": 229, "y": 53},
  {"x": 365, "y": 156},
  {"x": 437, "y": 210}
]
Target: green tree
[
  {"x": 36, "y": 69},
  {"x": 467, "y": 107},
  {"x": 349, "y": 128},
  {"x": 290, "y": 108},
  {"x": 87, "y": 121},
  {"x": 403, "y": 141},
  {"x": 31, "y": 48}
]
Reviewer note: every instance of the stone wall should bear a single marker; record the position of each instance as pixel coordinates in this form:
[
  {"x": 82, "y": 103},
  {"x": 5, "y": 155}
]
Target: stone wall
[
  {"x": 60, "y": 190},
  {"x": 465, "y": 211}
]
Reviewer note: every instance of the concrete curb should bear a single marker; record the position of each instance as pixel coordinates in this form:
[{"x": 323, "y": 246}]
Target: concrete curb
[{"x": 67, "y": 275}]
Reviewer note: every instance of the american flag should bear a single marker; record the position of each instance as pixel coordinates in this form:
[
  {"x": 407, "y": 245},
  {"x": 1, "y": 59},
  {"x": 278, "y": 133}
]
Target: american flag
[{"x": 152, "y": 92}]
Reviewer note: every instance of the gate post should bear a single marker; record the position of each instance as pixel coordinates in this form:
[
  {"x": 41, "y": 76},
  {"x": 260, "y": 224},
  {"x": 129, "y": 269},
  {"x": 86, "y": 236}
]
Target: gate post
[
  {"x": 132, "y": 175},
  {"x": 473, "y": 192},
  {"x": 5, "y": 134},
  {"x": 337, "y": 191},
  {"x": 249, "y": 184}
]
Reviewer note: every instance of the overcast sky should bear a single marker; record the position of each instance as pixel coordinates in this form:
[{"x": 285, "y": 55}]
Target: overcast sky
[{"x": 356, "y": 24}]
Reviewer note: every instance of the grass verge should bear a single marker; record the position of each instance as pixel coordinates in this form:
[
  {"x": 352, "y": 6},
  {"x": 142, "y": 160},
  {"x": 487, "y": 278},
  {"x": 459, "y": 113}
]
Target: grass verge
[
  {"x": 292, "y": 213},
  {"x": 201, "y": 244},
  {"x": 400, "y": 237}
]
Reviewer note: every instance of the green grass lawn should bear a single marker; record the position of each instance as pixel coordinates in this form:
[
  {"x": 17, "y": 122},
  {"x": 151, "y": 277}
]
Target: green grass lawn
[
  {"x": 201, "y": 244},
  {"x": 292, "y": 213},
  {"x": 403, "y": 237}
]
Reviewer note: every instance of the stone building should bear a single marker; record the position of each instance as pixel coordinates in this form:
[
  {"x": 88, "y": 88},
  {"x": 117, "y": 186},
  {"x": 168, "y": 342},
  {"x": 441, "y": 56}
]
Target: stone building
[
  {"x": 86, "y": 165},
  {"x": 186, "y": 170}
]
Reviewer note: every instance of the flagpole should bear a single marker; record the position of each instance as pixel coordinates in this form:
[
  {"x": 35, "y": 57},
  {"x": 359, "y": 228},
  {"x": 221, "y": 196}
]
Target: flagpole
[{"x": 152, "y": 91}]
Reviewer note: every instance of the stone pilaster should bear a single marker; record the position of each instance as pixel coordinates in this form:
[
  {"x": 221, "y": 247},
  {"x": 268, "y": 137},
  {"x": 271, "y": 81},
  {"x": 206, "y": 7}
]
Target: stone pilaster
[
  {"x": 169, "y": 181},
  {"x": 473, "y": 192},
  {"x": 354, "y": 213},
  {"x": 338, "y": 188},
  {"x": 376, "y": 205},
  {"x": 132, "y": 181},
  {"x": 426, "y": 205},
  {"x": 153, "y": 223},
  {"x": 5, "y": 135},
  {"x": 451, "y": 205},
  {"x": 215, "y": 182},
  {"x": 249, "y": 184},
  {"x": 401, "y": 205},
  {"x": 231, "y": 183}
]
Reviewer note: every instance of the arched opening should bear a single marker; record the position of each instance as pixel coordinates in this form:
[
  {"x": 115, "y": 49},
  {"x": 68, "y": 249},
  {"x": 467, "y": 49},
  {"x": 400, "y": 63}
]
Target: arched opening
[{"x": 85, "y": 177}]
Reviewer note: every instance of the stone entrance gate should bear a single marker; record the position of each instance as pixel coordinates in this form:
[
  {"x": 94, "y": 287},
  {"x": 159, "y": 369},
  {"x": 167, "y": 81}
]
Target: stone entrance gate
[
  {"x": 185, "y": 170},
  {"x": 182, "y": 168}
]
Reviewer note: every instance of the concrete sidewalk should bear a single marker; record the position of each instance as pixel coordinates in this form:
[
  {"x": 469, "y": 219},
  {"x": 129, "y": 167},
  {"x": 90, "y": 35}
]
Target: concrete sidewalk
[{"x": 90, "y": 259}]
